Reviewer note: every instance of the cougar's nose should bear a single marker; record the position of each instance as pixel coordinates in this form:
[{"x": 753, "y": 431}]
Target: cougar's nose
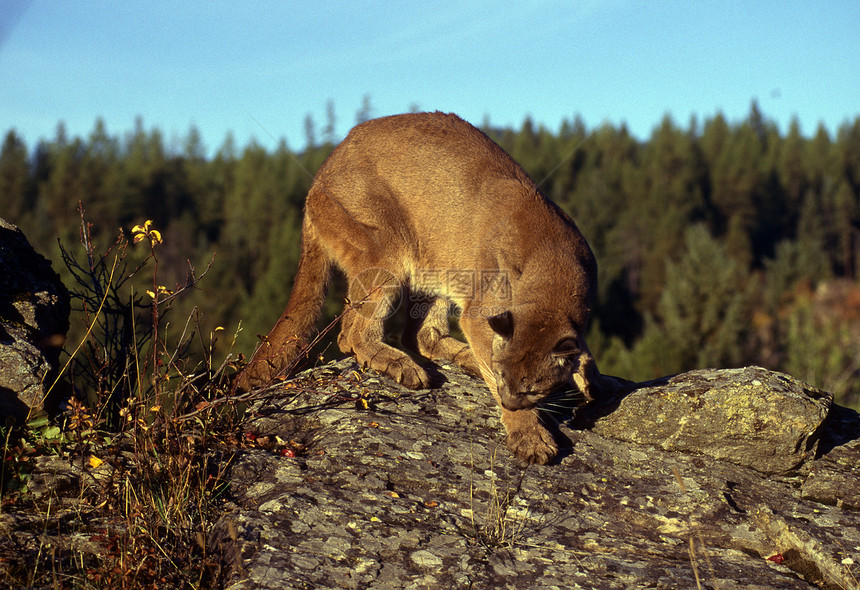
[{"x": 517, "y": 401}]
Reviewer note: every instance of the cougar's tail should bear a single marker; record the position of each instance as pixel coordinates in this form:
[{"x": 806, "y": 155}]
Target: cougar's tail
[{"x": 290, "y": 335}]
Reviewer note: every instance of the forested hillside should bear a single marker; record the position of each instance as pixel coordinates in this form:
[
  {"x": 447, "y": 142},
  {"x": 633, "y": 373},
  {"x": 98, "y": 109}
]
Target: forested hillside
[{"x": 719, "y": 244}]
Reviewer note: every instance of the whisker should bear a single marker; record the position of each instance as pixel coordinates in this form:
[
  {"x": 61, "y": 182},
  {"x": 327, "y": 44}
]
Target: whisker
[{"x": 560, "y": 405}]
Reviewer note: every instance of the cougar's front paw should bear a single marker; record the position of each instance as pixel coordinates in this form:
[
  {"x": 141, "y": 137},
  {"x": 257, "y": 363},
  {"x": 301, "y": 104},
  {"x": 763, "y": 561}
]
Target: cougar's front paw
[
  {"x": 392, "y": 362},
  {"x": 408, "y": 374},
  {"x": 534, "y": 445}
]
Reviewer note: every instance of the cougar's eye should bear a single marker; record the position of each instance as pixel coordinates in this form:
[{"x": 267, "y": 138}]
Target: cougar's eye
[{"x": 567, "y": 347}]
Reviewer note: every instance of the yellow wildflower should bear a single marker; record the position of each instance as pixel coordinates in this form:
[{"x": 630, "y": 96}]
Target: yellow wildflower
[
  {"x": 145, "y": 231},
  {"x": 161, "y": 292}
]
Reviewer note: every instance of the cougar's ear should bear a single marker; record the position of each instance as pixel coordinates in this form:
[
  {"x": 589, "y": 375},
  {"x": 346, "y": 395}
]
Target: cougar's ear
[{"x": 503, "y": 324}]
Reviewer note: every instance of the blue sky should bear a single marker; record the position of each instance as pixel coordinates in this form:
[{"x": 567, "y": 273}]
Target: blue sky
[{"x": 256, "y": 69}]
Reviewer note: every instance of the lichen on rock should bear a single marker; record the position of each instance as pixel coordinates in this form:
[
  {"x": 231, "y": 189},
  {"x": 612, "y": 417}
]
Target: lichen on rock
[
  {"x": 411, "y": 489},
  {"x": 34, "y": 320},
  {"x": 751, "y": 417}
]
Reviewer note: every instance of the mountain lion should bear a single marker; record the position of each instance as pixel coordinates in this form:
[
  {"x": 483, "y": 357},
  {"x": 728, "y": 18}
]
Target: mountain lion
[{"x": 427, "y": 201}]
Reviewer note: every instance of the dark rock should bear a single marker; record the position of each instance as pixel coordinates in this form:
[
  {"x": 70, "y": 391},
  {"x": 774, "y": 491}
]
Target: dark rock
[
  {"x": 415, "y": 489},
  {"x": 834, "y": 479},
  {"x": 34, "y": 319}
]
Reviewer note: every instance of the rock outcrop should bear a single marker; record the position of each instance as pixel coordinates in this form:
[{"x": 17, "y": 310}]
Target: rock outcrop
[
  {"x": 738, "y": 478},
  {"x": 751, "y": 417},
  {"x": 34, "y": 319}
]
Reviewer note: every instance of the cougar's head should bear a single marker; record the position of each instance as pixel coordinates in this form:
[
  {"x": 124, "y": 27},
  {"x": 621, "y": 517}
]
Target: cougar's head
[{"x": 535, "y": 353}]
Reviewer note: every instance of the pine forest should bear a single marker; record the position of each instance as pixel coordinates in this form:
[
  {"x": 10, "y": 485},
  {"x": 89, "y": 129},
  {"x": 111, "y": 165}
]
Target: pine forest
[{"x": 719, "y": 243}]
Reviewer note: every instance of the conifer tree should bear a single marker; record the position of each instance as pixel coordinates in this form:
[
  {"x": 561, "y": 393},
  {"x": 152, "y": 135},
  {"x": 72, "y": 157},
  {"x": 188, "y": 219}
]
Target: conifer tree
[
  {"x": 701, "y": 319},
  {"x": 16, "y": 184}
]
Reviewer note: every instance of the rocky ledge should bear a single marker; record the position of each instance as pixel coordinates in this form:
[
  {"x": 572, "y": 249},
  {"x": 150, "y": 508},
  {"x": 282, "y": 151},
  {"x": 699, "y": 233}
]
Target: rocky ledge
[
  {"x": 739, "y": 478},
  {"x": 34, "y": 319}
]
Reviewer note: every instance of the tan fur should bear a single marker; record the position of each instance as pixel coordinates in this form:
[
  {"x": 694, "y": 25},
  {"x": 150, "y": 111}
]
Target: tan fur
[{"x": 429, "y": 202}]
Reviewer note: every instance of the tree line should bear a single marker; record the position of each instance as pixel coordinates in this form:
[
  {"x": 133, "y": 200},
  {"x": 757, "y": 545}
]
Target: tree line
[{"x": 719, "y": 243}]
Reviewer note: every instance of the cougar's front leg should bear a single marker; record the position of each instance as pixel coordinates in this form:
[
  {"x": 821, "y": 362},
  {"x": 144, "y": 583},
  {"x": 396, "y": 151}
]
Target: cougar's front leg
[
  {"x": 528, "y": 439},
  {"x": 427, "y": 332},
  {"x": 371, "y": 295}
]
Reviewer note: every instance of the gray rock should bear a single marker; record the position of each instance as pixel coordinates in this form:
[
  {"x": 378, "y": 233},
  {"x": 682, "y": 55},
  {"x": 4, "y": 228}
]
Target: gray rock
[
  {"x": 394, "y": 488},
  {"x": 34, "y": 320},
  {"x": 751, "y": 417}
]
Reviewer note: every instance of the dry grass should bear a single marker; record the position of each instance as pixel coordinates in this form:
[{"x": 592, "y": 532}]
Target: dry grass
[
  {"x": 499, "y": 527},
  {"x": 125, "y": 487}
]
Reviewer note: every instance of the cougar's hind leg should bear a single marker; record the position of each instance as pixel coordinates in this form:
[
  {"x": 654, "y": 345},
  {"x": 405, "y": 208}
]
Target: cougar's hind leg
[
  {"x": 371, "y": 294},
  {"x": 427, "y": 332},
  {"x": 363, "y": 241},
  {"x": 279, "y": 351}
]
